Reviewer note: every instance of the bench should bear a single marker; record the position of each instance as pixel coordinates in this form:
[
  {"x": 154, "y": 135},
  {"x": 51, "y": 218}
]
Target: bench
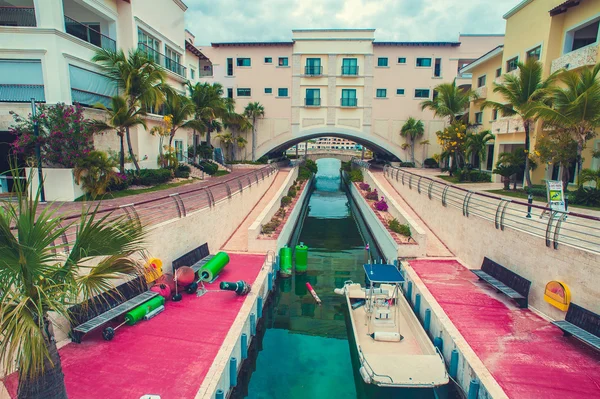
[
  {"x": 582, "y": 324},
  {"x": 196, "y": 259},
  {"x": 95, "y": 312},
  {"x": 505, "y": 281}
]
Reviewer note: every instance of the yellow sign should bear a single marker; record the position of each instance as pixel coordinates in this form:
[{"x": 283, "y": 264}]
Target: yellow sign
[
  {"x": 153, "y": 269},
  {"x": 558, "y": 295}
]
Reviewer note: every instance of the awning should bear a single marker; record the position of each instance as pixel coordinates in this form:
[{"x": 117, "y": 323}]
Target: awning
[{"x": 378, "y": 273}]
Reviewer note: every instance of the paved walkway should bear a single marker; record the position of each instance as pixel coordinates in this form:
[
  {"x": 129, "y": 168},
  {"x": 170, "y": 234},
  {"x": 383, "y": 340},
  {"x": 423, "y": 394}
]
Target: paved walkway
[
  {"x": 527, "y": 355},
  {"x": 239, "y": 239}
]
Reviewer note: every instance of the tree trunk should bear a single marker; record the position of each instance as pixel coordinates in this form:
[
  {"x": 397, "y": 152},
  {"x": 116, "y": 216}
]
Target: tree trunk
[
  {"x": 412, "y": 151},
  {"x": 50, "y": 384},
  {"x": 194, "y": 141},
  {"x": 580, "y": 144},
  {"x": 565, "y": 177},
  {"x": 527, "y": 163},
  {"x": 122, "y": 154},
  {"x": 253, "y": 139},
  {"x": 171, "y": 137},
  {"x": 131, "y": 154}
]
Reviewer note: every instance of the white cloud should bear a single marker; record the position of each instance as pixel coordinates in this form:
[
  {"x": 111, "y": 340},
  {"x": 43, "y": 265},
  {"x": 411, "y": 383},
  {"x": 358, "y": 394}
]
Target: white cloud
[{"x": 401, "y": 20}]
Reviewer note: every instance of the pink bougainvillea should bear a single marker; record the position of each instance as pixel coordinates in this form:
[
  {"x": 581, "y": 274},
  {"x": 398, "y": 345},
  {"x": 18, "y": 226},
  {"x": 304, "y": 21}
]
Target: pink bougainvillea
[{"x": 381, "y": 205}]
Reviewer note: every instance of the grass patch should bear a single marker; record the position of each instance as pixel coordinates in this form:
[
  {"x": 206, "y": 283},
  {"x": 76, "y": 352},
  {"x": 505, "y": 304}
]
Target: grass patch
[
  {"x": 522, "y": 195},
  {"x": 449, "y": 179},
  {"x": 128, "y": 192},
  {"x": 220, "y": 173}
]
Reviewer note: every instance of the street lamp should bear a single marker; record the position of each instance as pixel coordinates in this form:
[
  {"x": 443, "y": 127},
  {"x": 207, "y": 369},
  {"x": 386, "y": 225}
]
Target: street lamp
[{"x": 38, "y": 151}]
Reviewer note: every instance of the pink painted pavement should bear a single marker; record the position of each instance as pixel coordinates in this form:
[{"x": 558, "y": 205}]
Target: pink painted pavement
[
  {"x": 527, "y": 355},
  {"x": 168, "y": 355}
]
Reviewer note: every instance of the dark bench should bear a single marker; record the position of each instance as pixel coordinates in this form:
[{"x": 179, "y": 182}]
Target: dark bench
[
  {"x": 196, "y": 258},
  {"x": 505, "y": 281},
  {"x": 582, "y": 324},
  {"x": 93, "y": 313}
]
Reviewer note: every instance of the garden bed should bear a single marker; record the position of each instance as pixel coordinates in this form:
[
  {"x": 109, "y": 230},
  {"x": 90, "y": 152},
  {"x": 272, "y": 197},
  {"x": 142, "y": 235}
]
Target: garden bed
[{"x": 272, "y": 229}]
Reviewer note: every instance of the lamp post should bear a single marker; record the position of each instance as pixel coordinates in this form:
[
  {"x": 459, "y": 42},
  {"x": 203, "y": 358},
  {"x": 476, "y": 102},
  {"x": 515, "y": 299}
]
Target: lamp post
[{"x": 38, "y": 151}]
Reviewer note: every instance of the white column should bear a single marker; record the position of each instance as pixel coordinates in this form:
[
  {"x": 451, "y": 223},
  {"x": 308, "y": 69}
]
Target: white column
[{"x": 49, "y": 14}]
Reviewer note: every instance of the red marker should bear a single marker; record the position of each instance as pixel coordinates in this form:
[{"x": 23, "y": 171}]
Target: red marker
[{"x": 313, "y": 293}]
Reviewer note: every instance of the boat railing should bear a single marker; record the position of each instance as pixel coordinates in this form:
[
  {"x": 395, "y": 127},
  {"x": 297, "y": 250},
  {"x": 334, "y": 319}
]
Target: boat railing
[{"x": 370, "y": 370}]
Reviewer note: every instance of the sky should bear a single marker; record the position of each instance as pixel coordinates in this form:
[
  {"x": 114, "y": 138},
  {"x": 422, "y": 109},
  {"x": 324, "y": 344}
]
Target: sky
[{"x": 213, "y": 21}]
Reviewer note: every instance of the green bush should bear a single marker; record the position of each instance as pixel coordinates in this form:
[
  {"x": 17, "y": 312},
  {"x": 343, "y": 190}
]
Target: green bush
[
  {"x": 153, "y": 177},
  {"x": 473, "y": 175},
  {"x": 286, "y": 200},
  {"x": 291, "y": 192},
  {"x": 430, "y": 163},
  {"x": 346, "y": 166},
  {"x": 585, "y": 196},
  {"x": 407, "y": 164},
  {"x": 280, "y": 212},
  {"x": 396, "y": 227},
  {"x": 263, "y": 160},
  {"x": 271, "y": 226},
  {"x": 208, "y": 167},
  {"x": 182, "y": 171},
  {"x": 356, "y": 175},
  {"x": 311, "y": 165},
  {"x": 304, "y": 173}
]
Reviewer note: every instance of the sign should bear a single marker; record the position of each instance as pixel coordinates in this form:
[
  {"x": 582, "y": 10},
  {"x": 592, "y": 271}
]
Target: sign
[
  {"x": 558, "y": 295},
  {"x": 556, "y": 196}
]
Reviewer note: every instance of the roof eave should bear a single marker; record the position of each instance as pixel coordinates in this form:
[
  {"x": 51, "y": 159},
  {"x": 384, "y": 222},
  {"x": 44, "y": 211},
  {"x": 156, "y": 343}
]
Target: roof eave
[{"x": 486, "y": 57}]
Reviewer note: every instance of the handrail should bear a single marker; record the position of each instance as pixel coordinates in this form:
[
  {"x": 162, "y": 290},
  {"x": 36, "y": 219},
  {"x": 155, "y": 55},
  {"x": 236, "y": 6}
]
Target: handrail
[
  {"x": 106, "y": 42},
  {"x": 21, "y": 16},
  {"x": 163, "y": 60}
]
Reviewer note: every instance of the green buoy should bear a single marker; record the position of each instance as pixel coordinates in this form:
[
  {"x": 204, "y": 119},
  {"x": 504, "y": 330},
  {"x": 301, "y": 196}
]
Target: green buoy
[
  {"x": 285, "y": 261},
  {"x": 301, "y": 258}
]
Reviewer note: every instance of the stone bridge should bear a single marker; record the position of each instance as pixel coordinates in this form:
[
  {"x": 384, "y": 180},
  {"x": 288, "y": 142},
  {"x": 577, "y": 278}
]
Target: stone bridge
[{"x": 342, "y": 155}]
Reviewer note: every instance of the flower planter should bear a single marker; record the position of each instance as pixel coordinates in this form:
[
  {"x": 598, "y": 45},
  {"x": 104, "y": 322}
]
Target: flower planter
[{"x": 59, "y": 183}]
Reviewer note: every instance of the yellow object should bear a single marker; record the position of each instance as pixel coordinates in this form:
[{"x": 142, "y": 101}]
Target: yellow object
[
  {"x": 153, "y": 269},
  {"x": 558, "y": 295}
]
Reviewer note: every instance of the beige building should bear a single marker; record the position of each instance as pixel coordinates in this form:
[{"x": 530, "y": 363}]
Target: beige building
[{"x": 341, "y": 83}]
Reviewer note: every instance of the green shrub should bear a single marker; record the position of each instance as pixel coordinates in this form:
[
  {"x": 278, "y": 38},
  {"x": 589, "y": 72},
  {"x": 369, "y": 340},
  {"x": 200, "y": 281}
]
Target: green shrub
[
  {"x": 271, "y": 226},
  {"x": 304, "y": 173},
  {"x": 346, "y": 166},
  {"x": 208, "y": 167},
  {"x": 281, "y": 212},
  {"x": 153, "y": 177},
  {"x": 182, "y": 171},
  {"x": 473, "y": 175},
  {"x": 356, "y": 175},
  {"x": 95, "y": 173},
  {"x": 585, "y": 196},
  {"x": 396, "y": 227},
  {"x": 291, "y": 192},
  {"x": 286, "y": 201},
  {"x": 430, "y": 163},
  {"x": 263, "y": 160},
  {"x": 311, "y": 165},
  {"x": 407, "y": 164}
]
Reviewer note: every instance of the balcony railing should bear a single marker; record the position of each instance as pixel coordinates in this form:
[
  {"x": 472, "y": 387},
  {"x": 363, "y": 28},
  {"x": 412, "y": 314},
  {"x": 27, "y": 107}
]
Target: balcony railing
[
  {"x": 17, "y": 16},
  {"x": 90, "y": 35},
  {"x": 18, "y": 93},
  {"x": 312, "y": 102},
  {"x": 311, "y": 70},
  {"x": 208, "y": 72},
  {"x": 349, "y": 70},
  {"x": 163, "y": 60},
  {"x": 464, "y": 76},
  {"x": 349, "y": 102},
  {"x": 585, "y": 56}
]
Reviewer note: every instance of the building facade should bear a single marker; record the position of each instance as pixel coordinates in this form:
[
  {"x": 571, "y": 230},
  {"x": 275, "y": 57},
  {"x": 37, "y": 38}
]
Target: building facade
[
  {"x": 560, "y": 34},
  {"x": 341, "y": 83}
]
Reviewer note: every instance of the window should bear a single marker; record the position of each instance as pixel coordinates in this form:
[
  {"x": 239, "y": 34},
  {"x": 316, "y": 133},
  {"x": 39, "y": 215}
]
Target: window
[
  {"x": 437, "y": 70},
  {"x": 401, "y": 60},
  {"x": 229, "y": 92},
  {"x": 490, "y": 157},
  {"x": 349, "y": 98},
  {"x": 313, "y": 97},
  {"x": 381, "y": 93},
  {"x": 382, "y": 62},
  {"x": 243, "y": 62},
  {"x": 349, "y": 66},
  {"x": 313, "y": 67},
  {"x": 229, "y": 66},
  {"x": 421, "y": 93},
  {"x": 498, "y": 72},
  {"x": 268, "y": 60},
  {"x": 511, "y": 64},
  {"x": 20, "y": 80},
  {"x": 399, "y": 92},
  {"x": 282, "y": 92},
  {"x": 481, "y": 81},
  {"x": 149, "y": 44},
  {"x": 173, "y": 61},
  {"x": 244, "y": 92},
  {"x": 494, "y": 114},
  {"x": 268, "y": 90},
  {"x": 582, "y": 36},
  {"x": 424, "y": 62},
  {"x": 283, "y": 61},
  {"x": 535, "y": 53},
  {"x": 87, "y": 87},
  {"x": 479, "y": 118},
  {"x": 192, "y": 73}
]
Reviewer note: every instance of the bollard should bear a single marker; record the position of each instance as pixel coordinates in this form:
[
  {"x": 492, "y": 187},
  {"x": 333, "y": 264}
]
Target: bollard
[
  {"x": 259, "y": 306},
  {"x": 409, "y": 292},
  {"x": 417, "y": 304},
  {"x": 438, "y": 342},
  {"x": 270, "y": 281},
  {"x": 232, "y": 372},
  {"x": 276, "y": 263},
  {"x": 427, "y": 321},
  {"x": 529, "y": 201},
  {"x": 454, "y": 364},
  {"x": 252, "y": 324},
  {"x": 244, "y": 345},
  {"x": 473, "y": 389},
  {"x": 220, "y": 394}
]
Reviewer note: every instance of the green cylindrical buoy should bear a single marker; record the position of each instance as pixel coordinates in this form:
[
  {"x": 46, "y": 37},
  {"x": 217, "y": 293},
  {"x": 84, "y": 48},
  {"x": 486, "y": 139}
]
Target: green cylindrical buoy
[
  {"x": 138, "y": 313},
  {"x": 301, "y": 258},
  {"x": 285, "y": 260},
  {"x": 240, "y": 287},
  {"x": 213, "y": 267},
  {"x": 300, "y": 284},
  {"x": 285, "y": 284}
]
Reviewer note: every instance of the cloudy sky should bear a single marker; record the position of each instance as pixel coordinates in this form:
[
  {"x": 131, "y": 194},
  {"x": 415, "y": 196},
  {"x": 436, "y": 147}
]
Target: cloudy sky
[{"x": 395, "y": 20}]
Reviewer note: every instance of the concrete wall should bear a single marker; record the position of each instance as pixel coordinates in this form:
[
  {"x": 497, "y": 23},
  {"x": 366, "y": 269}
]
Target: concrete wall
[{"x": 59, "y": 184}]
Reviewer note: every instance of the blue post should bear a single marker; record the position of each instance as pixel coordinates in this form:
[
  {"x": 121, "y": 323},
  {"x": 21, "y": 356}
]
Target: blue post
[
  {"x": 454, "y": 363},
  {"x": 276, "y": 264},
  {"x": 438, "y": 342},
  {"x": 270, "y": 281},
  {"x": 252, "y": 324},
  {"x": 220, "y": 394},
  {"x": 259, "y": 306},
  {"x": 232, "y": 372},
  {"x": 417, "y": 304},
  {"x": 409, "y": 292},
  {"x": 473, "y": 389},
  {"x": 396, "y": 262},
  {"x": 244, "y": 345},
  {"x": 427, "y": 320}
]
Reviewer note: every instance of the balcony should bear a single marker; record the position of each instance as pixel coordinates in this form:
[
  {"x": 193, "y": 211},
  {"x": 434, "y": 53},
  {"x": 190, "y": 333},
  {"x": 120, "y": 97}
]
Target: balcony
[
  {"x": 464, "y": 76},
  {"x": 90, "y": 35},
  {"x": 205, "y": 73},
  {"x": 311, "y": 70},
  {"x": 481, "y": 92},
  {"x": 17, "y": 16},
  {"x": 349, "y": 102},
  {"x": 585, "y": 56},
  {"x": 507, "y": 124},
  {"x": 349, "y": 70},
  {"x": 312, "y": 102},
  {"x": 163, "y": 60}
]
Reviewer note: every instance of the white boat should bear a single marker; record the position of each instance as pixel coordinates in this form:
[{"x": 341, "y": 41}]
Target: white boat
[{"x": 394, "y": 351}]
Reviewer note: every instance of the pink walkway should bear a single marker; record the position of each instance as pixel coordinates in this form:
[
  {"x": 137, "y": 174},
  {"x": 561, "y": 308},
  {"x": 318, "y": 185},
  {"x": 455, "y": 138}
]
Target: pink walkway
[
  {"x": 168, "y": 355},
  {"x": 528, "y": 356}
]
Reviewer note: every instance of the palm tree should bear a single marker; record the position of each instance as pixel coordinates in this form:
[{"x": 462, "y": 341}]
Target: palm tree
[
  {"x": 36, "y": 278},
  {"x": 180, "y": 109},
  {"x": 524, "y": 94},
  {"x": 139, "y": 79},
  {"x": 210, "y": 106},
  {"x": 412, "y": 130},
  {"x": 590, "y": 175},
  {"x": 477, "y": 145},
  {"x": 236, "y": 123},
  {"x": 120, "y": 118},
  {"x": 254, "y": 111},
  {"x": 575, "y": 107},
  {"x": 450, "y": 101}
]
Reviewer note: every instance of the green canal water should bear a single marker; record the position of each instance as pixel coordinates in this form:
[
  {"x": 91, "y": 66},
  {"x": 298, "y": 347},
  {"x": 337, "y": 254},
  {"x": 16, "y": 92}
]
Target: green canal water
[{"x": 302, "y": 349}]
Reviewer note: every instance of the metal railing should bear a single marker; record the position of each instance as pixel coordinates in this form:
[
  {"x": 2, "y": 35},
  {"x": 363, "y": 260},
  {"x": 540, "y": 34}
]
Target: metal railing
[
  {"x": 313, "y": 70},
  {"x": 203, "y": 73},
  {"x": 17, "y": 16},
  {"x": 569, "y": 228},
  {"x": 349, "y": 70},
  {"x": 90, "y": 35},
  {"x": 312, "y": 102},
  {"x": 163, "y": 60},
  {"x": 349, "y": 102}
]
